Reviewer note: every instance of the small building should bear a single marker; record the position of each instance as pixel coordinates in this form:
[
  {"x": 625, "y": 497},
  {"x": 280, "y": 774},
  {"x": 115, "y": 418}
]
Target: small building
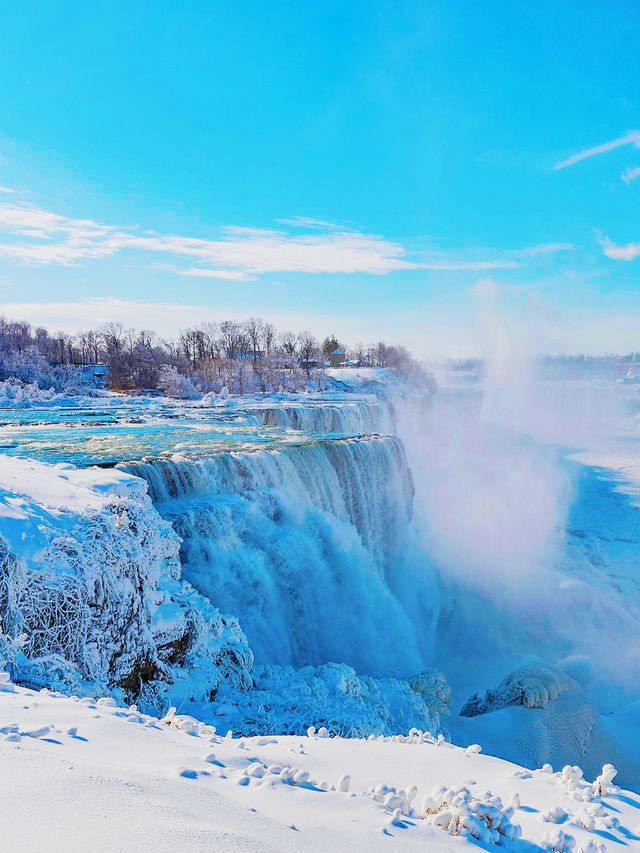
[
  {"x": 248, "y": 355},
  {"x": 336, "y": 357},
  {"x": 96, "y": 374},
  {"x": 311, "y": 363}
]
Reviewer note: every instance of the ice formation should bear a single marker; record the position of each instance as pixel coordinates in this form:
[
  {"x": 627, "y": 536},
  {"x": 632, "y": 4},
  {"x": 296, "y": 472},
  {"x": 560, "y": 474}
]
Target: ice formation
[
  {"x": 532, "y": 686},
  {"x": 90, "y": 591}
]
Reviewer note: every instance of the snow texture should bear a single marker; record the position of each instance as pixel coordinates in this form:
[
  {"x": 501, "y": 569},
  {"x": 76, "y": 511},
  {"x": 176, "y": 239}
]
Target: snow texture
[
  {"x": 532, "y": 686},
  {"x": 90, "y": 590},
  {"x": 61, "y": 756}
]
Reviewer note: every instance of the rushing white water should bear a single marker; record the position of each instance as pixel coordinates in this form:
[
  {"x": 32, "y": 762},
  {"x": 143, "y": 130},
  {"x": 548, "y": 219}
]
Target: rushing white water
[
  {"x": 301, "y": 543},
  {"x": 360, "y": 417}
]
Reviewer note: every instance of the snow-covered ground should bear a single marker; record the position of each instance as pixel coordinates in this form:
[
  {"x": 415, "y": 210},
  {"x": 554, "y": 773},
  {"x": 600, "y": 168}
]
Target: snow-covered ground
[{"x": 83, "y": 775}]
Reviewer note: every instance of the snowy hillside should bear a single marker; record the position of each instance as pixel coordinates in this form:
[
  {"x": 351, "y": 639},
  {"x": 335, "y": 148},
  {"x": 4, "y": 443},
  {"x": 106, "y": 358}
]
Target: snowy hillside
[{"x": 83, "y": 774}]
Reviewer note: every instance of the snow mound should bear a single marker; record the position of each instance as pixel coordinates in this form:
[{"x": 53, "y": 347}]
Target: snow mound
[
  {"x": 91, "y": 596},
  {"x": 333, "y": 697},
  {"x": 532, "y": 686}
]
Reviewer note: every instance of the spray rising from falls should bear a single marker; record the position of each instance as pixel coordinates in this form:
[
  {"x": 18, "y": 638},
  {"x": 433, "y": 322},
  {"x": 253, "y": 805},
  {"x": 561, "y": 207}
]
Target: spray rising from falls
[{"x": 302, "y": 543}]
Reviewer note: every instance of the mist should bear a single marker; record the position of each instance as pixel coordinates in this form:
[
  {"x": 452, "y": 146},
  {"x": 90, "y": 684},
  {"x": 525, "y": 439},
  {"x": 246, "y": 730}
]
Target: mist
[{"x": 500, "y": 510}]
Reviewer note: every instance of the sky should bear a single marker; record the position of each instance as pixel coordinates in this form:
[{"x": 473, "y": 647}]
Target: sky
[{"x": 378, "y": 170}]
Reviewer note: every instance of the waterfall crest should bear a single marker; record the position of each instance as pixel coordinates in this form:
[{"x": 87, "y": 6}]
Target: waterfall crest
[{"x": 298, "y": 542}]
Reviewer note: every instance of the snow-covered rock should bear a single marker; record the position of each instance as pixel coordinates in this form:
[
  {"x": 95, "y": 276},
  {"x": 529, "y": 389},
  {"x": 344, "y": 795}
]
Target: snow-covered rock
[
  {"x": 91, "y": 595},
  {"x": 532, "y": 686}
]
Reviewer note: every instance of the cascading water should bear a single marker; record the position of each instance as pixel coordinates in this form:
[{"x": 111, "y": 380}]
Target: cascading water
[
  {"x": 301, "y": 543},
  {"x": 359, "y": 417}
]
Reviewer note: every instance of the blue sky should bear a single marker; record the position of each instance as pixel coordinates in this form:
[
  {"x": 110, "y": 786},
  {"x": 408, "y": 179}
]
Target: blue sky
[{"x": 377, "y": 169}]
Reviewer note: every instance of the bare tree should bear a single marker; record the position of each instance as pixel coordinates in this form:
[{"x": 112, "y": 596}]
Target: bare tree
[
  {"x": 308, "y": 350},
  {"x": 231, "y": 337},
  {"x": 268, "y": 337},
  {"x": 289, "y": 342},
  {"x": 253, "y": 328}
]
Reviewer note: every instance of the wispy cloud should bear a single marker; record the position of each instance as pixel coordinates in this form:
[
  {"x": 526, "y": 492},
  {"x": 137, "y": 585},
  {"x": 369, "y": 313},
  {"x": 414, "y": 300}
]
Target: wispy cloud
[
  {"x": 467, "y": 265},
  {"x": 546, "y": 249},
  {"x": 31, "y": 234},
  {"x": 630, "y": 175},
  {"x": 632, "y": 137},
  {"x": 40, "y": 236},
  {"x": 6, "y": 190},
  {"x": 628, "y": 252}
]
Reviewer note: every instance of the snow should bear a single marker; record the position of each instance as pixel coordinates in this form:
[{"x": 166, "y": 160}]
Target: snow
[
  {"x": 90, "y": 590},
  {"x": 147, "y": 785}
]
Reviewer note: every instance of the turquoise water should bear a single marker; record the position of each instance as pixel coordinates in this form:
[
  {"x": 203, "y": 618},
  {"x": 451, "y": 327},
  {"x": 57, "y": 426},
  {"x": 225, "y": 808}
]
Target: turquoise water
[{"x": 133, "y": 429}]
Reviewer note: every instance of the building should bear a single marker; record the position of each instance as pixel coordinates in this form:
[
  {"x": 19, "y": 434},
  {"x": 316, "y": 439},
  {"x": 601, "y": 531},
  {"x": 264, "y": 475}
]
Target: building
[
  {"x": 96, "y": 374},
  {"x": 336, "y": 357},
  {"x": 248, "y": 355}
]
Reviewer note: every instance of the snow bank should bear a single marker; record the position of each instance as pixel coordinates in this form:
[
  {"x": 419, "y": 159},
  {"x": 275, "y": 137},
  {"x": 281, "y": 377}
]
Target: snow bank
[
  {"x": 90, "y": 591},
  {"x": 60, "y": 756}
]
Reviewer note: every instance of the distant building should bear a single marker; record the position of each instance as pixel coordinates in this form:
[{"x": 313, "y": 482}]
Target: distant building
[
  {"x": 248, "y": 355},
  {"x": 96, "y": 374},
  {"x": 336, "y": 357},
  {"x": 311, "y": 363}
]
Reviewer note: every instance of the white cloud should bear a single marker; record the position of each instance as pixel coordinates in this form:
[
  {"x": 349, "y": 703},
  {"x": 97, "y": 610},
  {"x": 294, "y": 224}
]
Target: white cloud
[
  {"x": 467, "y": 265},
  {"x": 546, "y": 249},
  {"x": 486, "y": 289},
  {"x": 40, "y": 236},
  {"x": 632, "y": 137},
  {"x": 6, "y": 190},
  {"x": 630, "y": 174},
  {"x": 31, "y": 234},
  {"x": 620, "y": 253}
]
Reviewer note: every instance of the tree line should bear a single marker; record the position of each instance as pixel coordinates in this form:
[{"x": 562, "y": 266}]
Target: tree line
[{"x": 246, "y": 356}]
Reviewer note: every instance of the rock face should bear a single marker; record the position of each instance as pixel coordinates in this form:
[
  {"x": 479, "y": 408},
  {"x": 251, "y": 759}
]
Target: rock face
[{"x": 90, "y": 591}]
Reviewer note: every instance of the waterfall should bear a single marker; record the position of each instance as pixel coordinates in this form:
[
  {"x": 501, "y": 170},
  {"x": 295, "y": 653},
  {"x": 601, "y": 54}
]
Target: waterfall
[
  {"x": 357, "y": 417},
  {"x": 299, "y": 542}
]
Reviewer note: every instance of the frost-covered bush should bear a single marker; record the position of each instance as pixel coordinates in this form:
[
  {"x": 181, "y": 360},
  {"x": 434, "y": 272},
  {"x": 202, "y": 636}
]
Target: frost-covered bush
[
  {"x": 285, "y": 700},
  {"x": 591, "y": 846},
  {"x": 558, "y": 841},
  {"x": 602, "y": 785},
  {"x": 458, "y": 812},
  {"x": 17, "y": 394},
  {"x": 99, "y": 602},
  {"x": 176, "y": 384},
  {"x": 396, "y": 800},
  {"x": 30, "y": 369},
  {"x": 532, "y": 686}
]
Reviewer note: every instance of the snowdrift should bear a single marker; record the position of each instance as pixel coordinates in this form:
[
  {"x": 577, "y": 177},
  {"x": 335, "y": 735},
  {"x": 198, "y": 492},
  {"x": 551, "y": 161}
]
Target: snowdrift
[{"x": 158, "y": 780}]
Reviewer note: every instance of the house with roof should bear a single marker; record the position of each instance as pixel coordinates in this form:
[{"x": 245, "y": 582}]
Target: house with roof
[{"x": 336, "y": 357}]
